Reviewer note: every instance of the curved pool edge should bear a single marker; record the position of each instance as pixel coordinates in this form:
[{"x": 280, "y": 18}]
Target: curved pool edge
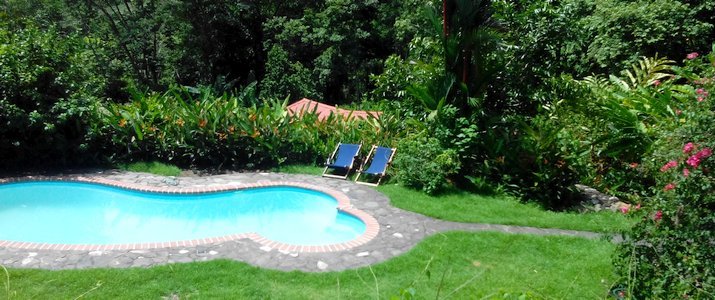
[{"x": 372, "y": 227}]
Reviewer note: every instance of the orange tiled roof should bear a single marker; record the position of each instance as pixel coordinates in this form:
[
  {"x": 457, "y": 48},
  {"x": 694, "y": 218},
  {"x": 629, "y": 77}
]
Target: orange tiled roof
[{"x": 323, "y": 110}]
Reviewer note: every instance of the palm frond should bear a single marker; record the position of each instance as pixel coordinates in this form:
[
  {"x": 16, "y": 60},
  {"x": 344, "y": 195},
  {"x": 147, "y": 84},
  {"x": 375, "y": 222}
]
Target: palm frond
[
  {"x": 594, "y": 82},
  {"x": 647, "y": 70}
]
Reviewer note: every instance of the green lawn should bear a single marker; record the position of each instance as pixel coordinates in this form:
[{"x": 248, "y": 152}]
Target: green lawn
[
  {"x": 461, "y": 265},
  {"x": 466, "y": 207},
  {"x": 299, "y": 169},
  {"x": 151, "y": 167},
  {"x": 498, "y": 209}
]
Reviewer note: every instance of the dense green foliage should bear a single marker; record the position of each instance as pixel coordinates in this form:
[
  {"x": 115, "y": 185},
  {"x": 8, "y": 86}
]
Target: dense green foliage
[
  {"x": 328, "y": 53},
  {"x": 424, "y": 164},
  {"x": 581, "y": 37},
  {"x": 47, "y": 90}
]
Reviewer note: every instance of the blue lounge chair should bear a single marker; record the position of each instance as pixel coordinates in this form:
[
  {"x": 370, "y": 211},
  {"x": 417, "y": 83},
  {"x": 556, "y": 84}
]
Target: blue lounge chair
[
  {"x": 381, "y": 158},
  {"x": 346, "y": 154}
]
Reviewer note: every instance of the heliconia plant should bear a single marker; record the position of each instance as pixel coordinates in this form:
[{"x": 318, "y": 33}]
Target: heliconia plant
[{"x": 197, "y": 128}]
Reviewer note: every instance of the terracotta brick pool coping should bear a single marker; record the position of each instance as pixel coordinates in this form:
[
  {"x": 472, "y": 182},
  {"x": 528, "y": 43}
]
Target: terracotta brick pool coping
[{"x": 371, "y": 231}]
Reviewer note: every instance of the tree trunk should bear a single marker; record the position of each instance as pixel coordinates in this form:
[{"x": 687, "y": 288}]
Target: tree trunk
[{"x": 444, "y": 18}]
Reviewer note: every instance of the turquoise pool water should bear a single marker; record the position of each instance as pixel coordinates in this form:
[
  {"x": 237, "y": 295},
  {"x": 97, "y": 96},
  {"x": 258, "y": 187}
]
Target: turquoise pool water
[{"x": 84, "y": 213}]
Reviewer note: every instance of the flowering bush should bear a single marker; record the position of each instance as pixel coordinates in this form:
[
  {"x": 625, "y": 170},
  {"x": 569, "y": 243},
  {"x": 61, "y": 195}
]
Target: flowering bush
[{"x": 669, "y": 253}]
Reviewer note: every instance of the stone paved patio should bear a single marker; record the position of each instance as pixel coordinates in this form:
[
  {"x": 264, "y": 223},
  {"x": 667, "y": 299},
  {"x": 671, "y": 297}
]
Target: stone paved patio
[{"x": 399, "y": 231}]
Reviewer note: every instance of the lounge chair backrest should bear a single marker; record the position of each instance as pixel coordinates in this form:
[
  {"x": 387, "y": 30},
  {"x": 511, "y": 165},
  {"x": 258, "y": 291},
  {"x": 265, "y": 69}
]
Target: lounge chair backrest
[
  {"x": 346, "y": 154},
  {"x": 380, "y": 160}
]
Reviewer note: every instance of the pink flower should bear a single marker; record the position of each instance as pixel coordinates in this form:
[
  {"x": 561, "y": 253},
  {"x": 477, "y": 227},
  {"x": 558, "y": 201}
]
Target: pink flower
[
  {"x": 702, "y": 92},
  {"x": 638, "y": 206},
  {"x": 656, "y": 82},
  {"x": 692, "y": 55},
  {"x": 689, "y": 147},
  {"x": 669, "y": 186},
  {"x": 693, "y": 161},
  {"x": 701, "y": 99},
  {"x": 671, "y": 164},
  {"x": 658, "y": 215},
  {"x": 633, "y": 165},
  {"x": 686, "y": 172},
  {"x": 624, "y": 209}
]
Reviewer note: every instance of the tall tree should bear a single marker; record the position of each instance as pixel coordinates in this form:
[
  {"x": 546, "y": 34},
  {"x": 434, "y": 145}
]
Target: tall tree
[
  {"x": 330, "y": 50},
  {"x": 468, "y": 42},
  {"x": 468, "y": 37}
]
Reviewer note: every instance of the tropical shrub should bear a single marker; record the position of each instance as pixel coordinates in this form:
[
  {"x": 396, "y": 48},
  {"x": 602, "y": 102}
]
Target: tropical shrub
[
  {"x": 48, "y": 87},
  {"x": 624, "y": 31},
  {"x": 668, "y": 254},
  {"x": 545, "y": 39},
  {"x": 537, "y": 158},
  {"x": 551, "y": 168},
  {"x": 192, "y": 127},
  {"x": 621, "y": 118},
  {"x": 284, "y": 77},
  {"x": 424, "y": 164},
  {"x": 423, "y": 63},
  {"x": 331, "y": 48}
]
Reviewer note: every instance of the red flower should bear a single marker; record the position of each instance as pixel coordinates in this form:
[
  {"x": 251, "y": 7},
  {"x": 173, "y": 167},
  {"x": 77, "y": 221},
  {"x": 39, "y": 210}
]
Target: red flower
[
  {"x": 658, "y": 215},
  {"x": 669, "y": 165},
  {"x": 700, "y": 91},
  {"x": 633, "y": 165},
  {"x": 656, "y": 82},
  {"x": 701, "y": 99},
  {"x": 669, "y": 186},
  {"x": 686, "y": 172},
  {"x": 705, "y": 153},
  {"x": 692, "y": 55},
  {"x": 689, "y": 147}
]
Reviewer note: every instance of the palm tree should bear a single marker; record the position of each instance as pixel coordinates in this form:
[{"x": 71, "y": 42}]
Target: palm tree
[
  {"x": 468, "y": 39},
  {"x": 466, "y": 29}
]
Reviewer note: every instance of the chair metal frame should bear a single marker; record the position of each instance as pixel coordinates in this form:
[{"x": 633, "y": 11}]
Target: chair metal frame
[
  {"x": 347, "y": 169},
  {"x": 380, "y": 175}
]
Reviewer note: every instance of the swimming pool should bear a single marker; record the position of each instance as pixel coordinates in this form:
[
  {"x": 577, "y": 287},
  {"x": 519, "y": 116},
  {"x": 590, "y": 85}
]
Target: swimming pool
[{"x": 59, "y": 212}]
